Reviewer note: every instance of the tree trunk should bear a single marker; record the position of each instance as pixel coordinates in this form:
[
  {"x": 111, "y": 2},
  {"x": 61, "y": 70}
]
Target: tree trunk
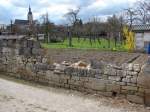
[{"x": 70, "y": 39}]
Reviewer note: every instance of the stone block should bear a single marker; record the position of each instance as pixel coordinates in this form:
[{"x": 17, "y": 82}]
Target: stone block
[
  {"x": 36, "y": 44},
  {"x": 95, "y": 84},
  {"x": 66, "y": 77},
  {"x": 126, "y": 80},
  {"x": 75, "y": 78},
  {"x": 142, "y": 90},
  {"x": 58, "y": 72},
  {"x": 132, "y": 84},
  {"x": 84, "y": 79},
  {"x": 121, "y": 83},
  {"x": 76, "y": 83},
  {"x": 128, "y": 73},
  {"x": 4, "y": 43},
  {"x": 92, "y": 80},
  {"x": 135, "y": 99},
  {"x": 90, "y": 91},
  {"x": 73, "y": 87},
  {"x": 147, "y": 91},
  {"x": 143, "y": 79},
  {"x": 36, "y": 51},
  {"x": 81, "y": 89},
  {"x": 147, "y": 97},
  {"x": 44, "y": 60},
  {"x": 134, "y": 73},
  {"x": 107, "y": 70},
  {"x": 107, "y": 94},
  {"x": 29, "y": 66},
  {"x": 10, "y": 43},
  {"x": 97, "y": 64},
  {"x": 6, "y": 50},
  {"x": 141, "y": 94},
  {"x": 41, "y": 66},
  {"x": 55, "y": 78},
  {"x": 29, "y": 60},
  {"x": 134, "y": 80},
  {"x": 91, "y": 73},
  {"x": 120, "y": 72},
  {"x": 27, "y": 51},
  {"x": 98, "y": 71},
  {"x": 63, "y": 81},
  {"x": 34, "y": 60},
  {"x": 98, "y": 76},
  {"x": 68, "y": 70},
  {"x": 16, "y": 51},
  {"x": 66, "y": 86},
  {"x": 117, "y": 67},
  {"x": 130, "y": 67},
  {"x": 49, "y": 73},
  {"x": 105, "y": 77},
  {"x": 113, "y": 72},
  {"x": 29, "y": 43},
  {"x": 113, "y": 88},
  {"x": 23, "y": 43},
  {"x": 136, "y": 67},
  {"x": 124, "y": 91},
  {"x": 114, "y": 78},
  {"x": 130, "y": 88}
]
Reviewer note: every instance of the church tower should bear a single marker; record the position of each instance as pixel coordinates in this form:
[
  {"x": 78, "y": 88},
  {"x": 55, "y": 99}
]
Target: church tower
[{"x": 30, "y": 16}]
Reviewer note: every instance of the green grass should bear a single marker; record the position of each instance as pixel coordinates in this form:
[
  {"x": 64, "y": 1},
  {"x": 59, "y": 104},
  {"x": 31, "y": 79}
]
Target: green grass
[{"x": 86, "y": 45}]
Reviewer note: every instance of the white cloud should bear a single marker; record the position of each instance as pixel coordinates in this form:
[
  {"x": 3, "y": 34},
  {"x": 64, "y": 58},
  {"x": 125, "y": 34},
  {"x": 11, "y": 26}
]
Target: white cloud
[{"x": 57, "y": 8}]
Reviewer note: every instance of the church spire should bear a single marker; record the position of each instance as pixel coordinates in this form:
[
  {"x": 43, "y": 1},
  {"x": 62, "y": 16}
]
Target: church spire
[
  {"x": 30, "y": 16},
  {"x": 29, "y": 8}
]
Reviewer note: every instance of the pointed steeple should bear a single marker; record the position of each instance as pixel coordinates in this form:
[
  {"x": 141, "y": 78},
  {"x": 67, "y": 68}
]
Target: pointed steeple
[
  {"x": 30, "y": 12},
  {"x": 29, "y": 8},
  {"x": 30, "y": 16}
]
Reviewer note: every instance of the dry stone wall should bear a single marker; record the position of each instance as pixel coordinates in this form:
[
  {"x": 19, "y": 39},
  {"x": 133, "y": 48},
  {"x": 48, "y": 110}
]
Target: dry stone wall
[{"x": 26, "y": 62}]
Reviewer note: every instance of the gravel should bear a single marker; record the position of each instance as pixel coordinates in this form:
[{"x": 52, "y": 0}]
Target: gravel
[{"x": 20, "y": 96}]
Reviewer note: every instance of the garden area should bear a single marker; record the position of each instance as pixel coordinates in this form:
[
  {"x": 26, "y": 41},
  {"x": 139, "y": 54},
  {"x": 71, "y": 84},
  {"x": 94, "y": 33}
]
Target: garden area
[{"x": 101, "y": 44}]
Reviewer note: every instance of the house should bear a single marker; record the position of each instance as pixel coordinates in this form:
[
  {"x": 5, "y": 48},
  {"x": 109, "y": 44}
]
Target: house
[{"x": 142, "y": 36}]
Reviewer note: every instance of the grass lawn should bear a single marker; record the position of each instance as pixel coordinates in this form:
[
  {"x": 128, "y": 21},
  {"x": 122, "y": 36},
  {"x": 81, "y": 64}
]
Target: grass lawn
[{"x": 86, "y": 45}]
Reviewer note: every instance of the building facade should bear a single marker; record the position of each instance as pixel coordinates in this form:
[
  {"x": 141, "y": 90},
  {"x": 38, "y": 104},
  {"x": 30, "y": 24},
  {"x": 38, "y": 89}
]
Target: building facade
[{"x": 142, "y": 36}]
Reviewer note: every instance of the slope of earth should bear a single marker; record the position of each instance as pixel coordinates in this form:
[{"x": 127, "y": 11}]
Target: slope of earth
[{"x": 74, "y": 55}]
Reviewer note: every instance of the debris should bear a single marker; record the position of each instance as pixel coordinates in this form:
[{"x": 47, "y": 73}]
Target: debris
[{"x": 81, "y": 64}]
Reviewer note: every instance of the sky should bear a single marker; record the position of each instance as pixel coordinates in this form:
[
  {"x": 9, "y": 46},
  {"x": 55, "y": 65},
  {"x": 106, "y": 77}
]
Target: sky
[{"x": 18, "y": 9}]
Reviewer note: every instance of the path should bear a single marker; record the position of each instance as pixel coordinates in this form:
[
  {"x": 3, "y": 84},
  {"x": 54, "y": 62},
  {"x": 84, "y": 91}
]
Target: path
[{"x": 23, "y": 97}]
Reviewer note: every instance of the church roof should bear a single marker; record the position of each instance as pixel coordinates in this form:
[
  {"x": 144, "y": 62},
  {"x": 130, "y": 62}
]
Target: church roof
[{"x": 21, "y": 22}]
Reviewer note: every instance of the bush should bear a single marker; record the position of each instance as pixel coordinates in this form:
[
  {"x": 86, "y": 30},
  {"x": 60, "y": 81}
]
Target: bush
[{"x": 55, "y": 40}]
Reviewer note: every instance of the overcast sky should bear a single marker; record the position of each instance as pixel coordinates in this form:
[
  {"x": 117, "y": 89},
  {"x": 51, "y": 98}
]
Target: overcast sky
[{"x": 18, "y": 9}]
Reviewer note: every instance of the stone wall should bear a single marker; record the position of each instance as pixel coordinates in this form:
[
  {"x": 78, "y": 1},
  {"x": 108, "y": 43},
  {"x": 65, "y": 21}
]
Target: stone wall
[{"x": 27, "y": 61}]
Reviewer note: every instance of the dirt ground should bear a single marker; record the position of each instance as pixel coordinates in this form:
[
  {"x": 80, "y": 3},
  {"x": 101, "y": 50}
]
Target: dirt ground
[
  {"x": 20, "y": 96},
  {"x": 74, "y": 55}
]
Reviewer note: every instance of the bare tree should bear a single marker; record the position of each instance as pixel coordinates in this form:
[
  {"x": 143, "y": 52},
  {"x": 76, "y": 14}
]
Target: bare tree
[
  {"x": 72, "y": 16},
  {"x": 122, "y": 23},
  {"x": 73, "y": 19},
  {"x": 114, "y": 25},
  {"x": 143, "y": 10},
  {"x": 47, "y": 26},
  {"x": 131, "y": 16}
]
